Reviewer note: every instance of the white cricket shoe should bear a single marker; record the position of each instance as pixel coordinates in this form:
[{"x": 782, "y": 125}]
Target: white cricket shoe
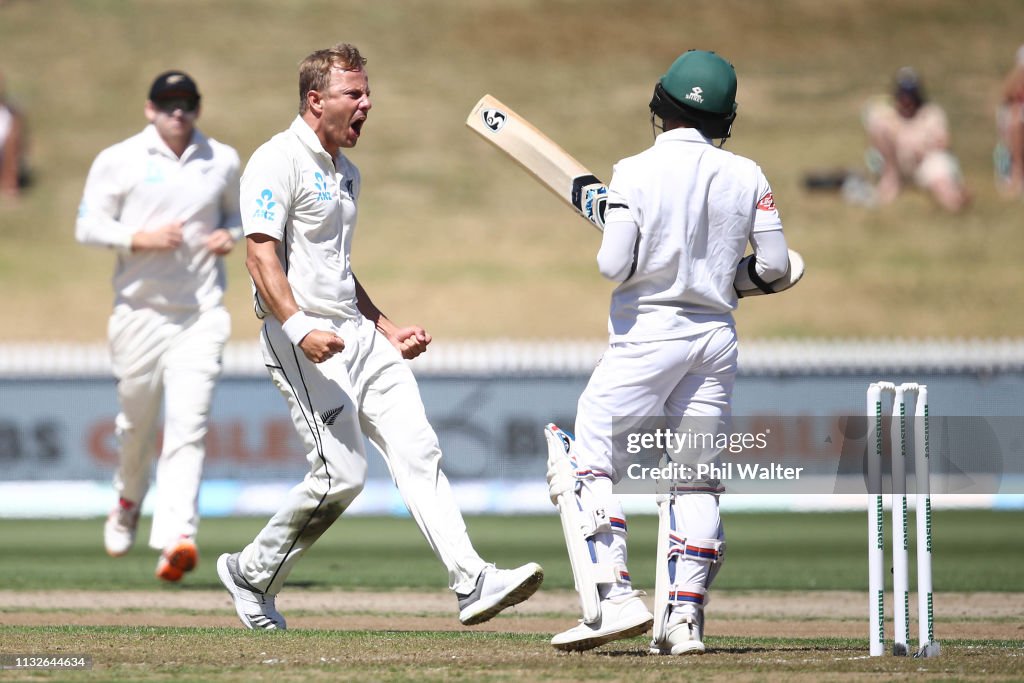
[
  {"x": 497, "y": 589},
  {"x": 255, "y": 609},
  {"x": 120, "y": 527},
  {"x": 621, "y": 617},
  {"x": 682, "y": 637}
]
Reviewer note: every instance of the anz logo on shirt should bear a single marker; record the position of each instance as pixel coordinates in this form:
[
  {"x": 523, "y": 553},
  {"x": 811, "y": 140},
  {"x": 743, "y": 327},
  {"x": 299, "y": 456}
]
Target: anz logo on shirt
[
  {"x": 265, "y": 206},
  {"x": 323, "y": 189},
  {"x": 153, "y": 173}
]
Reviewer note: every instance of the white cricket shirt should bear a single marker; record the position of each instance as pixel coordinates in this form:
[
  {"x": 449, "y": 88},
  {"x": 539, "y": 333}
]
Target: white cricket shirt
[
  {"x": 293, "y": 191},
  {"x": 140, "y": 184},
  {"x": 696, "y": 206}
]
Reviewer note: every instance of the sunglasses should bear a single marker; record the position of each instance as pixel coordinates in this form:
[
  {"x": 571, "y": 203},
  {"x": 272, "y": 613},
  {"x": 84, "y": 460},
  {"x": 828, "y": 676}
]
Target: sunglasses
[{"x": 171, "y": 104}]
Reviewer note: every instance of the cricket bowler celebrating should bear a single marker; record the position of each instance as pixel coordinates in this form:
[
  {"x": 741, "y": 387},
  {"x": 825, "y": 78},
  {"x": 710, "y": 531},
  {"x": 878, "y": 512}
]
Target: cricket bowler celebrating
[
  {"x": 337, "y": 359},
  {"x": 166, "y": 200},
  {"x": 678, "y": 220}
]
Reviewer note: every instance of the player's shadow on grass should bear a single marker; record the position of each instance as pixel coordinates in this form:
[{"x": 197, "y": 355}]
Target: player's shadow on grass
[
  {"x": 638, "y": 652},
  {"x": 762, "y": 649},
  {"x": 735, "y": 650},
  {"x": 199, "y": 585}
]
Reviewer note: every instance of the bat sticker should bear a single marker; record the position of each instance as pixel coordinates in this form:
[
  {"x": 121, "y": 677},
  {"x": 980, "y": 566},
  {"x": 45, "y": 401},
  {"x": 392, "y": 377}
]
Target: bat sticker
[{"x": 494, "y": 119}]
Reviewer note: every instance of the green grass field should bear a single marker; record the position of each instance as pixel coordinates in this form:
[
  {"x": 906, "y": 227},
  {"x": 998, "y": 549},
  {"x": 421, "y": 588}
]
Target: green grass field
[
  {"x": 804, "y": 561},
  {"x": 766, "y": 551},
  {"x": 479, "y": 243}
]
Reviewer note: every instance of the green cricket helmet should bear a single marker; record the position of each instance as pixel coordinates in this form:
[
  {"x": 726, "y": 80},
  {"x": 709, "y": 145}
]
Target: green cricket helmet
[{"x": 700, "y": 89}]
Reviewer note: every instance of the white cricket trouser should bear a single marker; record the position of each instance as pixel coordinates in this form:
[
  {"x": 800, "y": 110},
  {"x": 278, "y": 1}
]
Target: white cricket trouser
[
  {"x": 174, "y": 361},
  {"x": 367, "y": 389},
  {"x": 691, "y": 377}
]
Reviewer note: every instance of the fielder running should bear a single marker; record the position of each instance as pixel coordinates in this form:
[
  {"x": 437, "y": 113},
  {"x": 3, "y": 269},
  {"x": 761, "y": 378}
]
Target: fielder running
[
  {"x": 678, "y": 221},
  {"x": 167, "y": 201},
  {"x": 337, "y": 359}
]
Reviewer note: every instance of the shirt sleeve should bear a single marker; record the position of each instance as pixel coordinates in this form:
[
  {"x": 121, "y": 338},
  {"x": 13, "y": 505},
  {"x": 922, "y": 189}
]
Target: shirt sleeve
[
  {"x": 265, "y": 195},
  {"x": 766, "y": 215},
  {"x": 771, "y": 253},
  {"x": 231, "y": 216},
  {"x": 98, "y": 222},
  {"x": 767, "y": 239},
  {"x": 617, "y": 256}
]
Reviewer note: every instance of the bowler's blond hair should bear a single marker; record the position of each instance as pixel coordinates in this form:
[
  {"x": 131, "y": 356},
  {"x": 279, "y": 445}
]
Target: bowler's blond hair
[{"x": 315, "y": 70}]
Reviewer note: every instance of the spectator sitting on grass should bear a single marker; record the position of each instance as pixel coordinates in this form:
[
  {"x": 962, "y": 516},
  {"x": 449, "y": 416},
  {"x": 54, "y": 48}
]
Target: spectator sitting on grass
[
  {"x": 13, "y": 174},
  {"x": 910, "y": 141}
]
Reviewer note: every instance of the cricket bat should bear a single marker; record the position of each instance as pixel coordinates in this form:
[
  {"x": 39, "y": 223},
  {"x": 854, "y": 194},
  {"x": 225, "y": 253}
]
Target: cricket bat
[
  {"x": 538, "y": 154},
  {"x": 574, "y": 184}
]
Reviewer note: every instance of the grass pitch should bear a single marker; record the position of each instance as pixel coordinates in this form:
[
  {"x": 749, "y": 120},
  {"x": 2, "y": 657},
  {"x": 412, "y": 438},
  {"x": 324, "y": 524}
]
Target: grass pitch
[{"x": 368, "y": 603}]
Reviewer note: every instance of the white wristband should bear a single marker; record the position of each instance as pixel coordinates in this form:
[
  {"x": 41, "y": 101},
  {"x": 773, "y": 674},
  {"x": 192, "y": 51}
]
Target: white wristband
[{"x": 298, "y": 326}]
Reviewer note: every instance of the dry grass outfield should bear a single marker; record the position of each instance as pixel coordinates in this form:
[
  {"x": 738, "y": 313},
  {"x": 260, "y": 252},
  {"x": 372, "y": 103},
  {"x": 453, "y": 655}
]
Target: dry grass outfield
[
  {"x": 790, "y": 614},
  {"x": 454, "y": 236},
  {"x": 147, "y": 635}
]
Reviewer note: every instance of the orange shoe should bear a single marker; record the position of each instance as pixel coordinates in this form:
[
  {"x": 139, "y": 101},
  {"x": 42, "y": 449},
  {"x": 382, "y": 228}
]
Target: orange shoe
[{"x": 176, "y": 559}]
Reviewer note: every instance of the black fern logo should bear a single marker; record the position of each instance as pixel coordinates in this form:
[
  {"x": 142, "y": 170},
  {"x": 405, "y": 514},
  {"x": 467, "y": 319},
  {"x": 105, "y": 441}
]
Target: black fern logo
[{"x": 329, "y": 416}]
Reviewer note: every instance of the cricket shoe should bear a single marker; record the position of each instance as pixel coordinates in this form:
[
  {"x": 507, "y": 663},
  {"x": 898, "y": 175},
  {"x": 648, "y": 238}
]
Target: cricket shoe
[
  {"x": 255, "y": 609},
  {"x": 622, "y": 617},
  {"x": 497, "y": 589},
  {"x": 176, "y": 559},
  {"x": 682, "y": 637},
  {"x": 120, "y": 527}
]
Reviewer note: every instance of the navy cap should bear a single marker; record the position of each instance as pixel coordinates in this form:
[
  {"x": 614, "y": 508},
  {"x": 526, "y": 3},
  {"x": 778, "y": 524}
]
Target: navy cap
[{"x": 173, "y": 84}]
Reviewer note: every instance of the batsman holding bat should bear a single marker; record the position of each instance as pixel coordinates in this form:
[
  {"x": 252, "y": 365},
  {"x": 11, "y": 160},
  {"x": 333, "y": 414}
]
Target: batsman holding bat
[
  {"x": 337, "y": 359},
  {"x": 678, "y": 221}
]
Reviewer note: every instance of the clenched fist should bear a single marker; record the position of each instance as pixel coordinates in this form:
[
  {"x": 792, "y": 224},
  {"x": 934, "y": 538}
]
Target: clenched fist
[{"x": 320, "y": 345}]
